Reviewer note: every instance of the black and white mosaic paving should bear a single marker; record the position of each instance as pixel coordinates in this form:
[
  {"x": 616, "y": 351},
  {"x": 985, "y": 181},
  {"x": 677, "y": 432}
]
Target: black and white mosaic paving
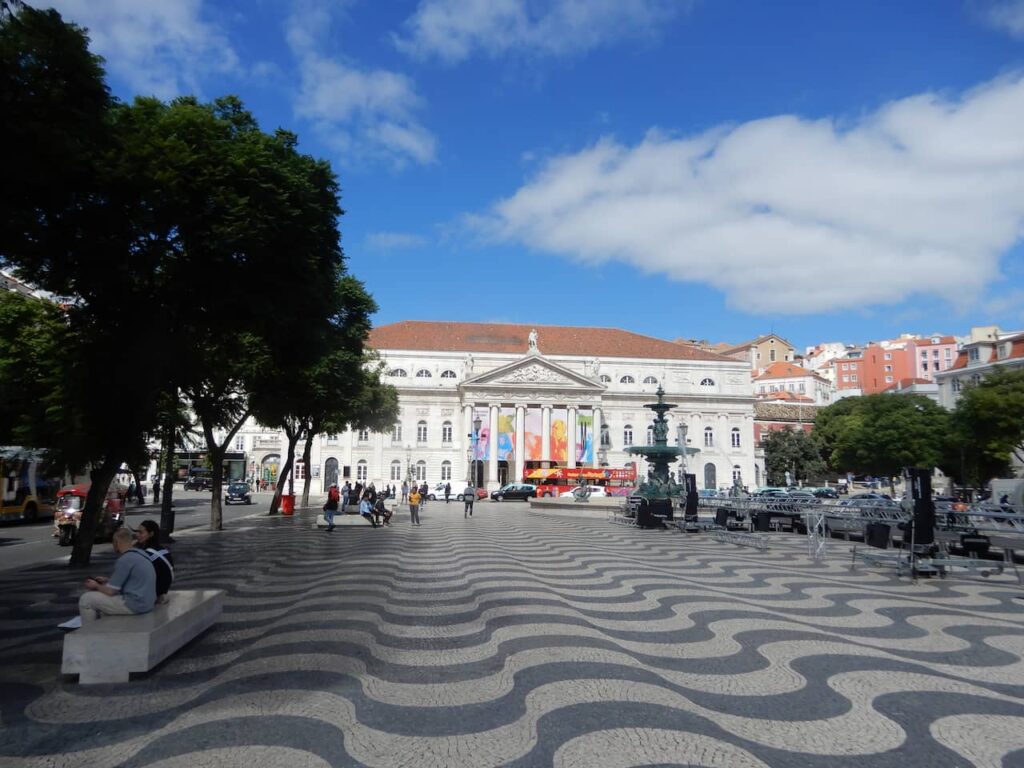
[{"x": 514, "y": 639}]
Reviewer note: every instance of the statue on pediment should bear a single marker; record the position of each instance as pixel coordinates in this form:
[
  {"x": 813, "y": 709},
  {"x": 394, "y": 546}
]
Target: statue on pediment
[{"x": 532, "y": 341}]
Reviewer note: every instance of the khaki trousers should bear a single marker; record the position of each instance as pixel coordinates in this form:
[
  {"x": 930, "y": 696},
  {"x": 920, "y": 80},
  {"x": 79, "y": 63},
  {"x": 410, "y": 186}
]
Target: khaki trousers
[{"x": 94, "y": 604}]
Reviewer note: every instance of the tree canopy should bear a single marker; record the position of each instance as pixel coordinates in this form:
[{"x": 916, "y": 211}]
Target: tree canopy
[
  {"x": 793, "y": 451},
  {"x": 988, "y": 425}
]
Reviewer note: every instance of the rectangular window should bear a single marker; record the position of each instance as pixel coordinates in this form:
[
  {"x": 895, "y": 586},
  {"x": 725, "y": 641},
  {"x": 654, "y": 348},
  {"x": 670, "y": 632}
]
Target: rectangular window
[
  {"x": 973, "y": 355},
  {"x": 332, "y": 438},
  {"x": 446, "y": 471},
  {"x": 421, "y": 471},
  {"x": 924, "y": 365},
  {"x": 853, "y": 377},
  {"x": 446, "y": 437},
  {"x": 396, "y": 470},
  {"x": 888, "y": 369},
  {"x": 361, "y": 471},
  {"x": 888, "y": 379},
  {"x": 396, "y": 433},
  {"x": 924, "y": 353},
  {"x": 935, "y": 353},
  {"x": 363, "y": 436},
  {"x": 300, "y": 470},
  {"x": 421, "y": 432},
  {"x": 888, "y": 355},
  {"x": 239, "y": 442},
  {"x": 956, "y": 384},
  {"x": 802, "y": 388},
  {"x": 771, "y": 355},
  {"x": 949, "y": 354},
  {"x": 846, "y": 378}
]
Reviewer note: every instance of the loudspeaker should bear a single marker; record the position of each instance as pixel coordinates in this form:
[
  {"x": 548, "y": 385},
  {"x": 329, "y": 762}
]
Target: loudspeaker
[
  {"x": 877, "y": 535},
  {"x": 924, "y": 508}
]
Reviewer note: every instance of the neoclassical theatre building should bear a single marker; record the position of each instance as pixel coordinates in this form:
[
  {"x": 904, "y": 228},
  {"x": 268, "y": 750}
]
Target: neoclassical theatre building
[{"x": 496, "y": 399}]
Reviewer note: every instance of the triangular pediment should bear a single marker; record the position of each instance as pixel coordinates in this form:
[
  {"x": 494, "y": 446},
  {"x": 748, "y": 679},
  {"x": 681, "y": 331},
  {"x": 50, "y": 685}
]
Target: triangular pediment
[{"x": 535, "y": 372}]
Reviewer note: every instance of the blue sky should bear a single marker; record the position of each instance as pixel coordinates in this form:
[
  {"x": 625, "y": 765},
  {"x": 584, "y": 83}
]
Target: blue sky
[{"x": 714, "y": 169}]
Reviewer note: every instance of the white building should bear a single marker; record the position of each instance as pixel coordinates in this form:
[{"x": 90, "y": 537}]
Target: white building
[
  {"x": 987, "y": 349},
  {"x": 791, "y": 382},
  {"x": 530, "y": 396}
]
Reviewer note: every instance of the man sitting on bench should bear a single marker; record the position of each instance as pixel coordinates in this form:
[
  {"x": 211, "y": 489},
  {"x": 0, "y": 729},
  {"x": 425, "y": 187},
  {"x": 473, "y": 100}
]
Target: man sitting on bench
[{"x": 130, "y": 589}]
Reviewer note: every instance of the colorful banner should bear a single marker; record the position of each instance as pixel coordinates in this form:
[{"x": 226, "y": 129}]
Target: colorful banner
[
  {"x": 584, "y": 438},
  {"x": 506, "y": 434},
  {"x": 534, "y": 434},
  {"x": 559, "y": 435},
  {"x": 481, "y": 451}
]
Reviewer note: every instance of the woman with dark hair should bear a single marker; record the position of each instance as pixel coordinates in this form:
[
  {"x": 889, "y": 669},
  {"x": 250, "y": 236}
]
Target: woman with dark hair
[{"x": 147, "y": 538}]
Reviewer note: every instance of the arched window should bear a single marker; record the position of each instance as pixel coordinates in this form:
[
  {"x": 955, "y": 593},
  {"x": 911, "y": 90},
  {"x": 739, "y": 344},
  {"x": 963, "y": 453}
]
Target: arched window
[
  {"x": 606, "y": 379},
  {"x": 362, "y": 470},
  {"x": 398, "y": 373},
  {"x": 710, "y": 479},
  {"x": 707, "y": 382},
  {"x": 627, "y": 379},
  {"x": 363, "y": 436},
  {"x": 709, "y": 437},
  {"x": 421, "y": 470},
  {"x": 446, "y": 433},
  {"x": 448, "y": 375},
  {"x": 735, "y": 436},
  {"x": 446, "y": 471},
  {"x": 396, "y": 433},
  {"x": 396, "y": 470},
  {"x": 422, "y": 373},
  {"x": 650, "y": 380},
  {"x": 330, "y": 472},
  {"x": 421, "y": 432},
  {"x": 627, "y": 434}
]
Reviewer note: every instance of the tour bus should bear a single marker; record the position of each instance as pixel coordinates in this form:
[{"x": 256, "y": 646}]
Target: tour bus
[
  {"x": 28, "y": 493},
  {"x": 554, "y": 481}
]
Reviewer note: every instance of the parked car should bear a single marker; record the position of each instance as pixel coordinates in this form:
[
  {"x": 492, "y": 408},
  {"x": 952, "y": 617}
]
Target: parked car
[
  {"x": 826, "y": 493},
  {"x": 595, "y": 490},
  {"x": 514, "y": 491},
  {"x": 801, "y": 496},
  {"x": 238, "y": 493},
  {"x": 199, "y": 481}
]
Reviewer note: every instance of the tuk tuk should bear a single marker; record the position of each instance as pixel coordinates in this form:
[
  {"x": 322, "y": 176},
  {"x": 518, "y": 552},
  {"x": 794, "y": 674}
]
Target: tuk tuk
[{"x": 68, "y": 514}]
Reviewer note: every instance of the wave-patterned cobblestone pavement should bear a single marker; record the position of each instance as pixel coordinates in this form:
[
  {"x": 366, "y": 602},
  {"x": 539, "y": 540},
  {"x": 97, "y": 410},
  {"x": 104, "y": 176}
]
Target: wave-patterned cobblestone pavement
[{"x": 513, "y": 639}]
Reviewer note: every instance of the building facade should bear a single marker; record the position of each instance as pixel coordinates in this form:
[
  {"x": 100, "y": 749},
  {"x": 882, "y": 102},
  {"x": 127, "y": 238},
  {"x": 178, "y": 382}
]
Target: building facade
[
  {"x": 792, "y": 382},
  {"x": 490, "y": 401}
]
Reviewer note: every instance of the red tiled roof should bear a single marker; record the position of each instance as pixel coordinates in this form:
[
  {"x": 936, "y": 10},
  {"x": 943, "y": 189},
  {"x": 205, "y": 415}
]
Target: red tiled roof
[
  {"x": 785, "y": 371},
  {"x": 513, "y": 339},
  {"x": 791, "y": 397},
  {"x": 905, "y": 383}
]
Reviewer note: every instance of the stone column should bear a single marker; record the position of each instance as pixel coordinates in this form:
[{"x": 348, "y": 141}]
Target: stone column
[
  {"x": 597, "y": 436},
  {"x": 570, "y": 443},
  {"x": 492, "y": 439},
  {"x": 545, "y": 438},
  {"x": 467, "y": 438},
  {"x": 520, "y": 456}
]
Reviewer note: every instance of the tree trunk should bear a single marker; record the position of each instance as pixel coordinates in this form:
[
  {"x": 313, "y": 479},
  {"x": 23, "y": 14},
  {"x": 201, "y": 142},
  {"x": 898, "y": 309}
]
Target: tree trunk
[
  {"x": 168, "y": 467},
  {"x": 100, "y": 478},
  {"x": 286, "y": 471},
  {"x": 307, "y": 451},
  {"x": 217, "y": 452}
]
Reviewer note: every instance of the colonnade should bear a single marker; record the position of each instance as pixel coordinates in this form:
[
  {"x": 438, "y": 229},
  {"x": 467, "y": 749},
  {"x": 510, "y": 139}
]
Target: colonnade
[{"x": 519, "y": 461}]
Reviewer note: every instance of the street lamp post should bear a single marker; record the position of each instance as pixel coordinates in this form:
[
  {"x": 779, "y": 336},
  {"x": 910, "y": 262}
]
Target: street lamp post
[
  {"x": 473, "y": 436},
  {"x": 681, "y": 440},
  {"x": 408, "y": 465}
]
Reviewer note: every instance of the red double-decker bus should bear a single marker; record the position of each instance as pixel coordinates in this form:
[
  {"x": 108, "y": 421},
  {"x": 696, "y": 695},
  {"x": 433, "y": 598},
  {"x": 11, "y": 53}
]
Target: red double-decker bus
[{"x": 552, "y": 482}]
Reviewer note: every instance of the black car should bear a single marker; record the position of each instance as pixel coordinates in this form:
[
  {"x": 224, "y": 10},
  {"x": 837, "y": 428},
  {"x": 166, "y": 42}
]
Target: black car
[
  {"x": 199, "y": 481},
  {"x": 238, "y": 492},
  {"x": 515, "y": 491}
]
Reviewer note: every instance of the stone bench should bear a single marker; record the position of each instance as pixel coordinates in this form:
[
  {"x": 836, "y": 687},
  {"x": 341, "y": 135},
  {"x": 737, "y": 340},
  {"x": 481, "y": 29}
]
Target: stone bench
[
  {"x": 341, "y": 520},
  {"x": 109, "y": 649}
]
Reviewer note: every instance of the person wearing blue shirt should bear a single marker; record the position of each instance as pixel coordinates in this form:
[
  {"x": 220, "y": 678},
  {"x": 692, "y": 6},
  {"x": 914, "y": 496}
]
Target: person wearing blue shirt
[{"x": 130, "y": 589}]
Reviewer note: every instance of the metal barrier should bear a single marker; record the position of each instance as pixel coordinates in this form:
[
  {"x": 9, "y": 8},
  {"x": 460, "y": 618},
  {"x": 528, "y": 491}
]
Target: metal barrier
[{"x": 756, "y": 540}]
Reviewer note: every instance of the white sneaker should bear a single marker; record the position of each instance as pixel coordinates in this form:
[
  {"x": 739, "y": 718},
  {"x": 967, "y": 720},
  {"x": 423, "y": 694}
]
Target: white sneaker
[{"x": 74, "y": 623}]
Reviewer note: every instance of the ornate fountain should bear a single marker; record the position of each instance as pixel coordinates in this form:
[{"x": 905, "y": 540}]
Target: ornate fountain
[{"x": 659, "y": 491}]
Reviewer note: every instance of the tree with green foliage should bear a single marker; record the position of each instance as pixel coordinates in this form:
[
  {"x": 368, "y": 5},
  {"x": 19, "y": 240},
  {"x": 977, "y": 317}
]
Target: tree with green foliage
[
  {"x": 881, "y": 434},
  {"x": 793, "y": 451},
  {"x": 988, "y": 426},
  {"x": 71, "y": 226}
]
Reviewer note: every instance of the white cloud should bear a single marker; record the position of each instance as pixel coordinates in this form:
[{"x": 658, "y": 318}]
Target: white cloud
[
  {"x": 788, "y": 215},
  {"x": 369, "y": 112},
  {"x": 393, "y": 241},
  {"x": 452, "y": 30},
  {"x": 1005, "y": 14},
  {"x": 158, "y": 47}
]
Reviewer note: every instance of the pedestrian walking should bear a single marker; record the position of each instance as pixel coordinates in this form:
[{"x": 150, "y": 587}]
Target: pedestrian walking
[
  {"x": 405, "y": 491},
  {"x": 447, "y": 492},
  {"x": 333, "y": 497},
  {"x": 468, "y": 496},
  {"x": 424, "y": 491},
  {"x": 346, "y": 496},
  {"x": 414, "y": 505}
]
